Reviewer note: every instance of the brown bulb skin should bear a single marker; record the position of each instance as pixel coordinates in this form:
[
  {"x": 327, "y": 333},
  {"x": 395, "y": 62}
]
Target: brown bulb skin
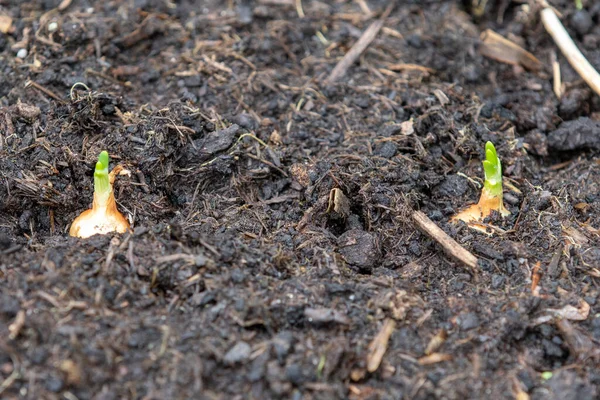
[{"x": 101, "y": 219}]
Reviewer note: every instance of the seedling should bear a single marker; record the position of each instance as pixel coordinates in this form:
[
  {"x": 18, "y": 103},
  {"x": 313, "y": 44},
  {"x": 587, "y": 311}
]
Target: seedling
[
  {"x": 103, "y": 217},
  {"x": 491, "y": 194}
]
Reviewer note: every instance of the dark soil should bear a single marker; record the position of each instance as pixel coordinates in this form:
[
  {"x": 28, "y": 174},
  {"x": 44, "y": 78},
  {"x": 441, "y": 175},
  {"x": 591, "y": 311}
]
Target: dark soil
[{"x": 239, "y": 281}]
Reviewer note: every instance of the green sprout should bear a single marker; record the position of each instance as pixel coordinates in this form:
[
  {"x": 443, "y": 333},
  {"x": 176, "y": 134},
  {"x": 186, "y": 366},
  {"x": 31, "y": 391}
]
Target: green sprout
[
  {"x": 493, "y": 170},
  {"x": 101, "y": 182},
  {"x": 321, "y": 365},
  {"x": 491, "y": 195},
  {"x": 578, "y": 4}
]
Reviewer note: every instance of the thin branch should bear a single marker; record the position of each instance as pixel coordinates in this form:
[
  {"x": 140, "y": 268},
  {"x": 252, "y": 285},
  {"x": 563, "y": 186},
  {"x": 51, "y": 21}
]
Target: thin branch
[
  {"x": 450, "y": 246},
  {"x": 361, "y": 45},
  {"x": 570, "y": 50}
]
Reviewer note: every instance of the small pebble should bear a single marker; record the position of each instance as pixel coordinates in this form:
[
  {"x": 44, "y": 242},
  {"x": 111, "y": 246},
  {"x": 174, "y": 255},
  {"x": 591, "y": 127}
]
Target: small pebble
[
  {"x": 582, "y": 22},
  {"x": 436, "y": 215},
  {"x": 295, "y": 374},
  {"x": 386, "y": 150},
  {"x": 282, "y": 344},
  {"x": 511, "y": 199},
  {"x": 497, "y": 281},
  {"x": 415, "y": 41},
  {"x": 468, "y": 321},
  {"x": 52, "y": 27},
  {"x": 551, "y": 349},
  {"x": 238, "y": 353},
  {"x": 359, "y": 248},
  {"x": 22, "y": 53},
  {"x": 246, "y": 121},
  {"x": 590, "y": 300},
  {"x": 5, "y": 242},
  {"x": 54, "y": 383}
]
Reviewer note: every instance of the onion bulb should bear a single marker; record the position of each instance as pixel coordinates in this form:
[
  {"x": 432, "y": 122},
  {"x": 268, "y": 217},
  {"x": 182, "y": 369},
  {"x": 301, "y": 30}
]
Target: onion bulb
[
  {"x": 491, "y": 194},
  {"x": 103, "y": 217}
]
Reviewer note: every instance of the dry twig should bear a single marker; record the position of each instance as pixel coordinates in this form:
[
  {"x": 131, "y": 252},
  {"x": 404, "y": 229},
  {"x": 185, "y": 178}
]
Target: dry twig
[
  {"x": 556, "y": 79},
  {"x": 570, "y": 50},
  {"x": 44, "y": 90},
  {"x": 379, "y": 345},
  {"x": 17, "y": 325},
  {"x": 361, "y": 45},
  {"x": 449, "y": 245}
]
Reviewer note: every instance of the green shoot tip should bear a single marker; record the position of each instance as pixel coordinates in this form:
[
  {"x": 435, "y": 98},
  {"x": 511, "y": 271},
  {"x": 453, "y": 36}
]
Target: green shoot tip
[
  {"x": 102, "y": 160},
  {"x": 101, "y": 182},
  {"x": 493, "y": 170}
]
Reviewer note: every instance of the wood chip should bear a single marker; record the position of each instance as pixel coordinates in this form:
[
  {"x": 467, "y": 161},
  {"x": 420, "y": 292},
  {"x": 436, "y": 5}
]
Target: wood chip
[
  {"x": 358, "y": 374},
  {"x": 499, "y": 48},
  {"x": 579, "y": 313},
  {"x": 536, "y": 275},
  {"x": 276, "y": 2},
  {"x": 64, "y": 5},
  {"x": 568, "y": 312},
  {"x": 578, "y": 342},
  {"x": 436, "y": 342},
  {"x": 146, "y": 29},
  {"x": 379, "y": 345},
  {"x": 72, "y": 372},
  {"x": 410, "y": 67},
  {"x": 325, "y": 315},
  {"x": 5, "y": 23},
  {"x": 407, "y": 128},
  {"x": 434, "y": 358},
  {"x": 574, "y": 236},
  {"x": 27, "y": 111},
  {"x": 338, "y": 203},
  {"x": 556, "y": 76},
  {"x": 450, "y": 246},
  {"x": 125, "y": 70},
  {"x": 17, "y": 325},
  {"x": 441, "y": 96}
]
